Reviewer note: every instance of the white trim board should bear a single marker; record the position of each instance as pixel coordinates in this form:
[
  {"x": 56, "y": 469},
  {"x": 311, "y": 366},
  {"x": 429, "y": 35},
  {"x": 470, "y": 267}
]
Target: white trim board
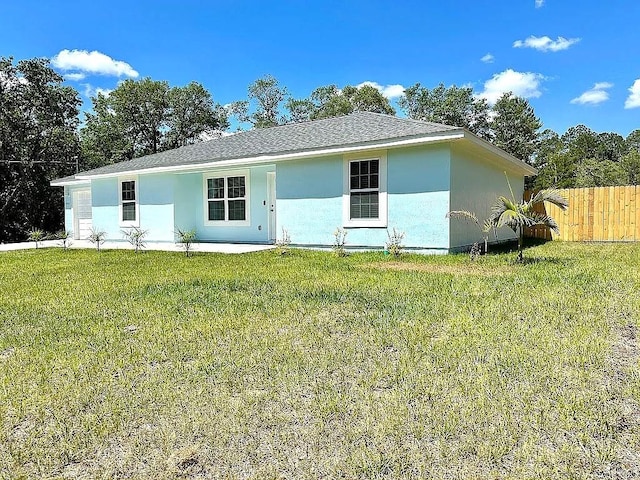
[
  {"x": 136, "y": 201},
  {"x": 381, "y": 221},
  {"x": 55, "y": 183},
  {"x": 247, "y": 198}
]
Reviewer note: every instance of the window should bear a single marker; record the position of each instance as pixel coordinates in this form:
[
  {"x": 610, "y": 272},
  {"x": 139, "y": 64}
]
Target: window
[
  {"x": 227, "y": 199},
  {"x": 128, "y": 195},
  {"x": 365, "y": 196},
  {"x": 364, "y": 186}
]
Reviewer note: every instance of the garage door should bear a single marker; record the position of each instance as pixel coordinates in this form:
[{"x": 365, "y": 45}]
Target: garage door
[{"x": 82, "y": 214}]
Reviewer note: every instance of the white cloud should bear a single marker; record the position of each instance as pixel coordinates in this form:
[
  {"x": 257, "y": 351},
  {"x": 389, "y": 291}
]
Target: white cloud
[
  {"x": 104, "y": 91},
  {"x": 211, "y": 134},
  {"x": 92, "y": 62},
  {"x": 74, "y": 76},
  {"x": 594, "y": 96},
  {"x": 521, "y": 84},
  {"x": 546, "y": 44},
  {"x": 8, "y": 82},
  {"x": 90, "y": 91},
  {"x": 488, "y": 58},
  {"x": 633, "y": 101},
  {"x": 388, "y": 91},
  {"x": 539, "y": 3},
  {"x": 602, "y": 85}
]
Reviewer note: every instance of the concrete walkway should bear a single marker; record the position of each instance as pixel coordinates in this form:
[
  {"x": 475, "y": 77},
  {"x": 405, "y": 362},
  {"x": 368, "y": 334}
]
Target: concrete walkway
[{"x": 160, "y": 246}]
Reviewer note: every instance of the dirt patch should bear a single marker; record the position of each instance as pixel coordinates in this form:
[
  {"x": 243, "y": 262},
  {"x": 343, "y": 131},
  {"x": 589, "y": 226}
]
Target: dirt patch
[
  {"x": 625, "y": 351},
  {"x": 463, "y": 269},
  {"x": 624, "y": 359},
  {"x": 5, "y": 354},
  {"x": 187, "y": 462}
]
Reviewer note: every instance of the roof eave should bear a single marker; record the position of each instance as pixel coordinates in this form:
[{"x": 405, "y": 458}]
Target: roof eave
[
  {"x": 261, "y": 159},
  {"x": 66, "y": 183},
  {"x": 515, "y": 162}
]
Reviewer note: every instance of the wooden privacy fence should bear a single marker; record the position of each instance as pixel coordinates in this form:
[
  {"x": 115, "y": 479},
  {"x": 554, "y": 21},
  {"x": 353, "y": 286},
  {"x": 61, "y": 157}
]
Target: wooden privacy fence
[{"x": 596, "y": 214}]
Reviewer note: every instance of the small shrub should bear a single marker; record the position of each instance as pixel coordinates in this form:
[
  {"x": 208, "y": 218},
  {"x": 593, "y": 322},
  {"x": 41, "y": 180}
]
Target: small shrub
[
  {"x": 36, "y": 235},
  {"x": 475, "y": 252},
  {"x": 186, "y": 238},
  {"x": 97, "y": 237},
  {"x": 65, "y": 238},
  {"x": 282, "y": 244},
  {"x": 135, "y": 236},
  {"x": 340, "y": 240},
  {"x": 394, "y": 243}
]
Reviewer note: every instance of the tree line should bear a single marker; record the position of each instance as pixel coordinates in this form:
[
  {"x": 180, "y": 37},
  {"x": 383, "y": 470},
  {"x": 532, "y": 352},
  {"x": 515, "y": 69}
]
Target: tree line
[{"x": 44, "y": 135}]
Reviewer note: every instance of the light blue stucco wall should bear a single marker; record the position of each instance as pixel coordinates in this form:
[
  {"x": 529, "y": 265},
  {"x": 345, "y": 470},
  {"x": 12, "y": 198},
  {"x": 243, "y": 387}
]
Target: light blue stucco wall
[
  {"x": 156, "y": 194},
  {"x": 423, "y": 184},
  {"x": 310, "y": 199},
  {"x": 168, "y": 201},
  {"x": 476, "y": 181},
  {"x": 309, "y": 204},
  {"x": 190, "y": 213},
  {"x": 418, "y": 184},
  {"x": 104, "y": 212},
  {"x": 155, "y": 199},
  {"x": 187, "y": 187}
]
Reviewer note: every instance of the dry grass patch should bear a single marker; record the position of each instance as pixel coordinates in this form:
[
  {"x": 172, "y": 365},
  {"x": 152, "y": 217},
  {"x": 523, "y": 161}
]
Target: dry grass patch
[
  {"x": 307, "y": 366},
  {"x": 468, "y": 268}
]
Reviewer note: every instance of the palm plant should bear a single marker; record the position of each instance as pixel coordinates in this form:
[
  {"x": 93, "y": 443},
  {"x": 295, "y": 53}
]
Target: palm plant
[
  {"x": 36, "y": 235},
  {"x": 135, "y": 236},
  {"x": 65, "y": 238},
  {"x": 97, "y": 237},
  {"x": 186, "y": 238},
  {"x": 484, "y": 227},
  {"x": 520, "y": 215},
  {"x": 282, "y": 244}
]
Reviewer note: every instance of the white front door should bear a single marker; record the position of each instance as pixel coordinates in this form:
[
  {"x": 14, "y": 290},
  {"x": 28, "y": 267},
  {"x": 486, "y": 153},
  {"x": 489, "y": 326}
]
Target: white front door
[
  {"x": 271, "y": 202},
  {"x": 82, "y": 214}
]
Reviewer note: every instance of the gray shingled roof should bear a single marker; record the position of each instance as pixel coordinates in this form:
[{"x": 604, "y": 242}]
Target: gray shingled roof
[{"x": 356, "y": 129}]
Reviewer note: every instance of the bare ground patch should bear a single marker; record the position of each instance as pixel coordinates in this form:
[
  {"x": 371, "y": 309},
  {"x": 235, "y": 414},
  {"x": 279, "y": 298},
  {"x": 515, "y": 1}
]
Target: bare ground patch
[
  {"x": 464, "y": 269},
  {"x": 624, "y": 359}
]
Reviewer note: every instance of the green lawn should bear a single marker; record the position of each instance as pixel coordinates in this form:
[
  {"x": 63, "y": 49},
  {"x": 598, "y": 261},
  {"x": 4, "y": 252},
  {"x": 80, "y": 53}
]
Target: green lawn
[{"x": 115, "y": 365}]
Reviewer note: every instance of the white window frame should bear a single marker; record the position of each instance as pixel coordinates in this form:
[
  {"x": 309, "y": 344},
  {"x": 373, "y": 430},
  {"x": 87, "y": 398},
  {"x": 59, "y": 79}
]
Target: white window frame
[
  {"x": 129, "y": 223},
  {"x": 247, "y": 198},
  {"x": 382, "y": 220}
]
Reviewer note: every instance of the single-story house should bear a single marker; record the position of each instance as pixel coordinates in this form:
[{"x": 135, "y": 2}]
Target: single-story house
[{"x": 364, "y": 172}]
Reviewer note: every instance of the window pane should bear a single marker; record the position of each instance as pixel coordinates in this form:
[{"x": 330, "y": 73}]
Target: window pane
[
  {"x": 375, "y": 209},
  {"x": 365, "y": 210},
  {"x": 373, "y": 181},
  {"x": 364, "y": 205},
  {"x": 237, "y": 210},
  {"x": 129, "y": 212},
  {"x": 355, "y": 206},
  {"x": 128, "y": 190},
  {"x": 216, "y": 210},
  {"x": 235, "y": 187},
  {"x": 215, "y": 188},
  {"x": 364, "y": 174}
]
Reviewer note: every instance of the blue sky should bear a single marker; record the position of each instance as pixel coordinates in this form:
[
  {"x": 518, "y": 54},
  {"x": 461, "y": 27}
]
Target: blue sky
[{"x": 576, "y": 61}]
